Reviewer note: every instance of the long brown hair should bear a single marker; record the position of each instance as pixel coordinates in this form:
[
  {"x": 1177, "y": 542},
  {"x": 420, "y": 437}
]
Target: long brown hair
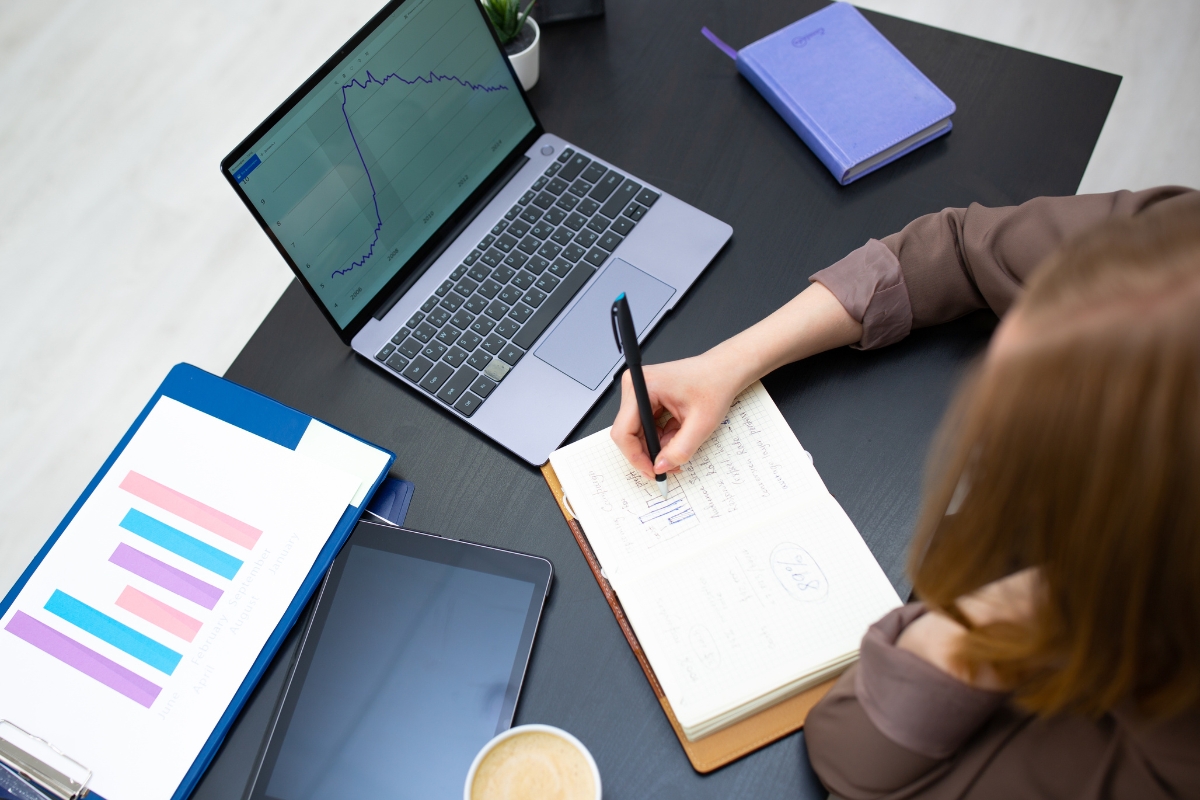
[{"x": 1078, "y": 453}]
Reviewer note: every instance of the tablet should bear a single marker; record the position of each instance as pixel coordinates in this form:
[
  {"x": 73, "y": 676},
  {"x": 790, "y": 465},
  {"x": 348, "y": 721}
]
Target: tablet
[{"x": 411, "y": 660}]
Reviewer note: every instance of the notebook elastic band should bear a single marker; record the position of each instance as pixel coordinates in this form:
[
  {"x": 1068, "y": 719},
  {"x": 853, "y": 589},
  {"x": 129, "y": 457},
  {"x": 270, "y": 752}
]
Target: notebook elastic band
[{"x": 724, "y": 48}]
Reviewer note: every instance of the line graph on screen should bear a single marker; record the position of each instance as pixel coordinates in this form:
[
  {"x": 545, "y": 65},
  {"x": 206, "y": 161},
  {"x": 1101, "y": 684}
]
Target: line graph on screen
[{"x": 430, "y": 79}]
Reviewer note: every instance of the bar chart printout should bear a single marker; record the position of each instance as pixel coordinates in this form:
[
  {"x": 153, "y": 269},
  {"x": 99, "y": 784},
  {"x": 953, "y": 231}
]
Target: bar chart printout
[
  {"x": 146, "y": 614},
  {"x": 162, "y": 615}
]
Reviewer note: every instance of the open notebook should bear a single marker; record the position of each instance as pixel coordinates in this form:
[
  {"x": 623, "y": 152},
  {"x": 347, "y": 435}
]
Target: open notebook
[{"x": 748, "y": 584}]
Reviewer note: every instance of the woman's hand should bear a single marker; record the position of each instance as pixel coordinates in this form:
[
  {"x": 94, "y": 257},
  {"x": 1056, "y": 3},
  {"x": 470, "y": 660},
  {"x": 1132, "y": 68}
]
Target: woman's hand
[
  {"x": 697, "y": 392},
  {"x": 937, "y": 638},
  {"x": 1011, "y": 599}
]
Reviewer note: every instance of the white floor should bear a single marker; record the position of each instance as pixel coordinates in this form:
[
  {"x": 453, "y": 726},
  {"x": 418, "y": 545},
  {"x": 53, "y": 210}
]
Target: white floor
[
  {"x": 1152, "y": 136},
  {"x": 123, "y": 252}
]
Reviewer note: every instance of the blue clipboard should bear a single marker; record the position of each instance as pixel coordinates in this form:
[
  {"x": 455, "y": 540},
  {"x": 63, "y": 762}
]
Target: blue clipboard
[{"x": 270, "y": 420}]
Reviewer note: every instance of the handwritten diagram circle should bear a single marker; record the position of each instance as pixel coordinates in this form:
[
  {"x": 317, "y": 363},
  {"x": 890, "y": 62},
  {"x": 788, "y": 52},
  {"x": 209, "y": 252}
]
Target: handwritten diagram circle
[{"x": 798, "y": 572}]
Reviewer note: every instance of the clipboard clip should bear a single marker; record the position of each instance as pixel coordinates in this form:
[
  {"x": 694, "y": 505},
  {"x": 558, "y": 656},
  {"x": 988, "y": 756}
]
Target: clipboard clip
[{"x": 33, "y": 769}]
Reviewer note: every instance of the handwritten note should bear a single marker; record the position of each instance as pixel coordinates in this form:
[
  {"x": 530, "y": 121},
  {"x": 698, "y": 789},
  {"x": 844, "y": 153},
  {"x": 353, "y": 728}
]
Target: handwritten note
[
  {"x": 748, "y": 583},
  {"x": 751, "y": 464},
  {"x": 765, "y": 613}
]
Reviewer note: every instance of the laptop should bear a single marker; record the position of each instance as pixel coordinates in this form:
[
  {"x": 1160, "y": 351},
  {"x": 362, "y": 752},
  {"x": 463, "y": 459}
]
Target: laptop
[{"x": 453, "y": 242}]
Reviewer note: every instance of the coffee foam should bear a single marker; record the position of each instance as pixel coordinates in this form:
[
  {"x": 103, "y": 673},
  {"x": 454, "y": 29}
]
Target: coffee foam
[{"x": 534, "y": 766}]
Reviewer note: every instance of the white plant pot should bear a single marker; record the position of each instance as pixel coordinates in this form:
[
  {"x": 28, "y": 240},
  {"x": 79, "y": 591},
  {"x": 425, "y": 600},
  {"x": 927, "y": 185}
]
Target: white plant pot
[{"x": 525, "y": 63}]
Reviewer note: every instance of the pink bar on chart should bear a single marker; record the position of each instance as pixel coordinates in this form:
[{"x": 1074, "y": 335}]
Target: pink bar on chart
[
  {"x": 193, "y": 511},
  {"x": 159, "y": 613}
]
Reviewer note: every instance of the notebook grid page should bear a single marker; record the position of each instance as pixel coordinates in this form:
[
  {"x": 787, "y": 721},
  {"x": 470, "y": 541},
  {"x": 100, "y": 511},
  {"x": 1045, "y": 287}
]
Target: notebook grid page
[
  {"x": 746, "y": 581},
  {"x": 750, "y": 465},
  {"x": 758, "y": 611}
]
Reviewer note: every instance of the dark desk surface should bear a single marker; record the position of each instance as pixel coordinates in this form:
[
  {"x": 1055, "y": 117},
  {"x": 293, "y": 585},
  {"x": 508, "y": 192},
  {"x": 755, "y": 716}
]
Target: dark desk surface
[{"x": 643, "y": 89}]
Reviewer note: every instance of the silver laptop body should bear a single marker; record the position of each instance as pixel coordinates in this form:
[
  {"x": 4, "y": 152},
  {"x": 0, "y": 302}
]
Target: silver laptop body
[{"x": 501, "y": 315}]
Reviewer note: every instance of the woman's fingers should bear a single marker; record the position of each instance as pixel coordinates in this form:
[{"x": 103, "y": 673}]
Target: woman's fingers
[
  {"x": 665, "y": 434},
  {"x": 693, "y": 431},
  {"x": 696, "y": 402}
]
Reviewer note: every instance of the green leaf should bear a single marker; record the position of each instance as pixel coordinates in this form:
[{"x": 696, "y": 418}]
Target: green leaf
[
  {"x": 525, "y": 16},
  {"x": 507, "y": 17}
]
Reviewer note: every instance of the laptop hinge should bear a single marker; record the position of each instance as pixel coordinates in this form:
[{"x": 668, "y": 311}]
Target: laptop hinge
[{"x": 451, "y": 236}]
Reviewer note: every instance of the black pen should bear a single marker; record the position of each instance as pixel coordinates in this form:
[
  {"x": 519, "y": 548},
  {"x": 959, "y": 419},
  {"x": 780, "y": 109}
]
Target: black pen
[{"x": 627, "y": 343}]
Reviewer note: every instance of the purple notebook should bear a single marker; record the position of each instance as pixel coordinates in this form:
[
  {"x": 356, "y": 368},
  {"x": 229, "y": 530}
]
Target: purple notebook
[{"x": 853, "y": 98}]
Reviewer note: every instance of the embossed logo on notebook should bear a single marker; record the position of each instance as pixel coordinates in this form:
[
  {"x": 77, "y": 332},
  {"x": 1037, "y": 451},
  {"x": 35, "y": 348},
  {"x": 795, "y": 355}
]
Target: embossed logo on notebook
[{"x": 800, "y": 41}]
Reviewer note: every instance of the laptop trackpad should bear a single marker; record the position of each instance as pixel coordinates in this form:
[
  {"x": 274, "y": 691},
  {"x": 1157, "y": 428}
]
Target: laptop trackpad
[{"x": 582, "y": 346}]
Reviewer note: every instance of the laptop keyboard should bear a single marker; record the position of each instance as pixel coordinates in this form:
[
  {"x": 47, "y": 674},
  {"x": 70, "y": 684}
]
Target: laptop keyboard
[{"x": 478, "y": 324}]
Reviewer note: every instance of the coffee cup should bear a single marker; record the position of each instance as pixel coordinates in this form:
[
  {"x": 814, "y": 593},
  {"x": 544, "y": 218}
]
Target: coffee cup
[{"x": 533, "y": 761}]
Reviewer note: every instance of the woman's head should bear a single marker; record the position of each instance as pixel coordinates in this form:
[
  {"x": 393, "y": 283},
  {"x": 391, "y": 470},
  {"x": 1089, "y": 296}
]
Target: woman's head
[{"x": 1075, "y": 448}]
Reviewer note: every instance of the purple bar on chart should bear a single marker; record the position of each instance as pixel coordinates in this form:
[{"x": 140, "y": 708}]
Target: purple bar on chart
[
  {"x": 82, "y": 658},
  {"x": 174, "y": 580},
  {"x": 192, "y": 510}
]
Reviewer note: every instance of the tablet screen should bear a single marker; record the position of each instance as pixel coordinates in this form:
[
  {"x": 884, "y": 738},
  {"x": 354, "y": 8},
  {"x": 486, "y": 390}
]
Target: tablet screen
[{"x": 412, "y": 661}]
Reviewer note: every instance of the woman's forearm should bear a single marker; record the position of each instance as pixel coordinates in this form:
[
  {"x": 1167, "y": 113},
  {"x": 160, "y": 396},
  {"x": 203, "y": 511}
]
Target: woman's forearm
[
  {"x": 696, "y": 392},
  {"x": 810, "y": 323}
]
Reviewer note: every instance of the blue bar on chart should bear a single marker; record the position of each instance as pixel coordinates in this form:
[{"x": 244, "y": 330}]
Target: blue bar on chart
[
  {"x": 181, "y": 544},
  {"x": 107, "y": 629}
]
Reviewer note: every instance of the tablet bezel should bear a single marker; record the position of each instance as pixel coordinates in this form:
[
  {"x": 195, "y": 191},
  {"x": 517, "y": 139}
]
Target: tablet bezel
[{"x": 427, "y": 547}]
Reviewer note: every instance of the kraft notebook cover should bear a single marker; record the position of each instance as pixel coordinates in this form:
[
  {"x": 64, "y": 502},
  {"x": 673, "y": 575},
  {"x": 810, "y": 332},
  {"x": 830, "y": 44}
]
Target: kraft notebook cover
[
  {"x": 135, "y": 637},
  {"x": 845, "y": 90}
]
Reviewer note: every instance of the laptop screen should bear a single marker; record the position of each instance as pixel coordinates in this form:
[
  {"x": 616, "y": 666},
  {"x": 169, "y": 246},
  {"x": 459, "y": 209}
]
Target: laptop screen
[{"x": 358, "y": 174}]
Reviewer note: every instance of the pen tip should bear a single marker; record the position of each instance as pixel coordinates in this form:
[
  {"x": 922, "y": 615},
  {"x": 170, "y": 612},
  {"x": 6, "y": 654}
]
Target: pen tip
[{"x": 662, "y": 485}]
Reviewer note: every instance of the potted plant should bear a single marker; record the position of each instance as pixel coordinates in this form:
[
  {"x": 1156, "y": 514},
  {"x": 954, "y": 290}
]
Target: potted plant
[{"x": 520, "y": 35}]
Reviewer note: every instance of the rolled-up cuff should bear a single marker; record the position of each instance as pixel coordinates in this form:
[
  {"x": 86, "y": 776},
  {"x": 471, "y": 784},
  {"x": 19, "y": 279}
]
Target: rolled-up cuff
[
  {"x": 912, "y": 702},
  {"x": 870, "y": 286}
]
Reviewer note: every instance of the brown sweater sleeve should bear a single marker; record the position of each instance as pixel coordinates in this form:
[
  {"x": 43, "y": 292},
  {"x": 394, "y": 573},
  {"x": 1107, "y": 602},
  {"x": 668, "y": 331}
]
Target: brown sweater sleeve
[
  {"x": 894, "y": 721},
  {"x": 958, "y": 260}
]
